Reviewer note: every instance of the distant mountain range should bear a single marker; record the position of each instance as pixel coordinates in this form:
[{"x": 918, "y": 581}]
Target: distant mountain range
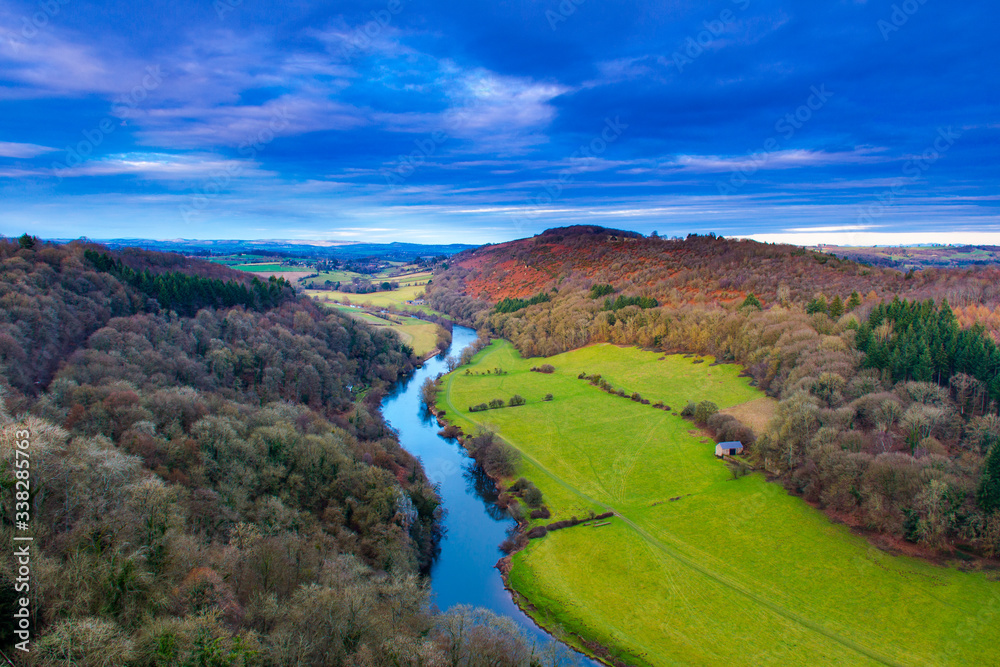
[{"x": 291, "y": 248}]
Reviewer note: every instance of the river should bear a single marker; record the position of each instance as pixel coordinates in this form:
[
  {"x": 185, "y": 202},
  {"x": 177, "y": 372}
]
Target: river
[{"x": 464, "y": 573}]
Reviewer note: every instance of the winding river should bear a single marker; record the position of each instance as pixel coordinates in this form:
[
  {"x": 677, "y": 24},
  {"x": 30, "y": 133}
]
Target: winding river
[{"x": 464, "y": 573}]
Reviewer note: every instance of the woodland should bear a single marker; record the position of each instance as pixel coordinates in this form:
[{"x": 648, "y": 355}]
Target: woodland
[{"x": 211, "y": 481}]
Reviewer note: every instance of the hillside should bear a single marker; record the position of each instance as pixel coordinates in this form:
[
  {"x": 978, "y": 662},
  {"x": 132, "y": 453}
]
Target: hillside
[
  {"x": 698, "y": 269},
  {"x": 199, "y": 462},
  {"x": 879, "y": 375}
]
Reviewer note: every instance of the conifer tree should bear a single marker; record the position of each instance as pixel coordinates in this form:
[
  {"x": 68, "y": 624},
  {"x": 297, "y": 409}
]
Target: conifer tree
[
  {"x": 989, "y": 486},
  {"x": 854, "y": 301},
  {"x": 836, "y": 307}
]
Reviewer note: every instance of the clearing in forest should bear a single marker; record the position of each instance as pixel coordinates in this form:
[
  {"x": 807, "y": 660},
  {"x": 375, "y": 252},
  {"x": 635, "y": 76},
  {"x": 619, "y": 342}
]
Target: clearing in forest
[
  {"x": 698, "y": 567},
  {"x": 420, "y": 335}
]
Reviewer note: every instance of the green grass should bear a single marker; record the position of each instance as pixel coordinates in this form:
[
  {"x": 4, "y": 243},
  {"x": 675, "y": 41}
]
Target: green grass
[
  {"x": 418, "y": 334},
  {"x": 397, "y": 298},
  {"x": 735, "y": 571},
  {"x": 407, "y": 279},
  {"x": 270, "y": 268}
]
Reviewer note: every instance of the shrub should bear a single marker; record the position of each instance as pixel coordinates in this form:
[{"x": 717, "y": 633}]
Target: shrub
[
  {"x": 479, "y": 408},
  {"x": 516, "y": 400},
  {"x": 689, "y": 409},
  {"x": 428, "y": 392},
  {"x": 738, "y": 468},
  {"x": 520, "y": 485},
  {"x": 705, "y": 410},
  {"x": 513, "y": 543},
  {"x": 548, "y": 397},
  {"x": 541, "y": 513}
]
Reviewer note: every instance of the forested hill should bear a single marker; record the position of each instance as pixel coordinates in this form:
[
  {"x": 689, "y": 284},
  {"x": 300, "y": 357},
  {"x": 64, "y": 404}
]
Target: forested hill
[
  {"x": 54, "y": 296},
  {"x": 888, "y": 383},
  {"x": 698, "y": 269},
  {"x": 211, "y": 481}
]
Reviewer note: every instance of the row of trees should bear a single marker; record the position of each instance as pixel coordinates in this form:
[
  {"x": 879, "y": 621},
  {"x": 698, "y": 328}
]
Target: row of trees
[{"x": 498, "y": 403}]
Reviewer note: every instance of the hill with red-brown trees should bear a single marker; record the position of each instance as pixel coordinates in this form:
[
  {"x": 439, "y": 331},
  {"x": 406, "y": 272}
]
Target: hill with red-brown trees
[{"x": 699, "y": 269}]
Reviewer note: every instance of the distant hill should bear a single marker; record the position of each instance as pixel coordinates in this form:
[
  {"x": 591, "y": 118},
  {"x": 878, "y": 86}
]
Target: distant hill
[
  {"x": 919, "y": 257},
  {"x": 340, "y": 250},
  {"x": 695, "y": 269},
  {"x": 699, "y": 271}
]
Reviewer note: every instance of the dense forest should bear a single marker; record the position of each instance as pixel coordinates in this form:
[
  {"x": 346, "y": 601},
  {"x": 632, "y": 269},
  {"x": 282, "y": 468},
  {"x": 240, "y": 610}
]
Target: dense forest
[
  {"x": 211, "y": 481},
  {"x": 887, "y": 382}
]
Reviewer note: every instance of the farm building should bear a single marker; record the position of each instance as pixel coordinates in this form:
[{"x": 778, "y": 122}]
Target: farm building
[{"x": 728, "y": 449}]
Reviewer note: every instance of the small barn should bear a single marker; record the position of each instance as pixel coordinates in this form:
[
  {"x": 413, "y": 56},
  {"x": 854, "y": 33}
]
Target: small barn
[{"x": 728, "y": 448}]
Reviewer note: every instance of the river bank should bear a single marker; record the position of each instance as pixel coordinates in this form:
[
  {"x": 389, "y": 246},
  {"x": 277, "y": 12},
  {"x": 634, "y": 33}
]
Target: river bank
[{"x": 465, "y": 571}]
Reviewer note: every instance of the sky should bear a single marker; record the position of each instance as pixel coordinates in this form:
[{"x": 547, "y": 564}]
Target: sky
[{"x": 853, "y": 122}]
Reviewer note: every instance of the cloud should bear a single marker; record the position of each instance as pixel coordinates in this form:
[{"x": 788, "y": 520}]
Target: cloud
[
  {"x": 782, "y": 159},
  {"x": 165, "y": 167},
  {"x": 21, "y": 151}
]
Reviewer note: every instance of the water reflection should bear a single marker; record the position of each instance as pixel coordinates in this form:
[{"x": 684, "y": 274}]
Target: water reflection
[
  {"x": 479, "y": 484},
  {"x": 464, "y": 571}
]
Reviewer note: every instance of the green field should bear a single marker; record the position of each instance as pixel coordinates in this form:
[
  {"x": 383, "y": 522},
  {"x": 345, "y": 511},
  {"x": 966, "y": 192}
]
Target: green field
[
  {"x": 418, "y": 334},
  {"x": 397, "y": 298},
  {"x": 269, "y": 268},
  {"x": 699, "y": 568},
  {"x": 407, "y": 279}
]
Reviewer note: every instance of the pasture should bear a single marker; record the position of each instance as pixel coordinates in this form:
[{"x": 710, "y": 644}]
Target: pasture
[
  {"x": 406, "y": 276},
  {"x": 418, "y": 334},
  {"x": 397, "y": 298},
  {"x": 697, "y": 567},
  {"x": 269, "y": 268}
]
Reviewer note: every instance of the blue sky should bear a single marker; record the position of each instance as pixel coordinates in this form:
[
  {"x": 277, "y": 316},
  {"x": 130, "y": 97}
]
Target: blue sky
[{"x": 843, "y": 121}]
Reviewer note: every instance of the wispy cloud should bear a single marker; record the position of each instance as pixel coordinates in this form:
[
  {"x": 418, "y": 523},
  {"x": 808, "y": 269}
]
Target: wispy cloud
[{"x": 18, "y": 150}]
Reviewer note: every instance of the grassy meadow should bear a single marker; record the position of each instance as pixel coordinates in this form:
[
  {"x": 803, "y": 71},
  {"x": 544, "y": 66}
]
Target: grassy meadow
[
  {"x": 698, "y": 567},
  {"x": 267, "y": 268},
  {"x": 397, "y": 298},
  {"x": 407, "y": 279},
  {"x": 418, "y": 334}
]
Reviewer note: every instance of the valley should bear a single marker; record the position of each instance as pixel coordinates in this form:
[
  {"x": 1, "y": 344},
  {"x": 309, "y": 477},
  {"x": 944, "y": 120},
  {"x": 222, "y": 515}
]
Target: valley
[{"x": 697, "y": 567}]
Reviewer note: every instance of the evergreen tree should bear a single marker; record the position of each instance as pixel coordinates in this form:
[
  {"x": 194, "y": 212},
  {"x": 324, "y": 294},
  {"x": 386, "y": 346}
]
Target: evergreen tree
[
  {"x": 923, "y": 371},
  {"x": 989, "y": 486},
  {"x": 751, "y": 302},
  {"x": 836, "y": 307},
  {"x": 817, "y": 305},
  {"x": 854, "y": 301}
]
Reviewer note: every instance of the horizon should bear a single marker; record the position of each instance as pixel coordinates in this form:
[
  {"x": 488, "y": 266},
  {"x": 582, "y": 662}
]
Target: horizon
[{"x": 856, "y": 124}]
